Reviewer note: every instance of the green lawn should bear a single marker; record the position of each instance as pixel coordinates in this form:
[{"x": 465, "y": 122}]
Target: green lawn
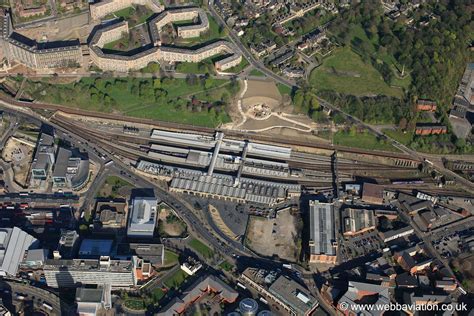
[
  {"x": 243, "y": 64},
  {"x": 111, "y": 187},
  {"x": 344, "y": 71},
  {"x": 257, "y": 73},
  {"x": 364, "y": 140},
  {"x": 131, "y": 14},
  {"x": 171, "y": 258},
  {"x": 157, "y": 295},
  {"x": 176, "y": 279},
  {"x": 404, "y": 138},
  {"x": 136, "y": 304},
  {"x": 125, "y": 13},
  {"x": 125, "y": 97},
  {"x": 226, "y": 266},
  {"x": 284, "y": 89},
  {"x": 201, "y": 248}
]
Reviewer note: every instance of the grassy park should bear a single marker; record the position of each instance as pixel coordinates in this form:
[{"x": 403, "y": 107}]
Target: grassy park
[
  {"x": 161, "y": 99},
  {"x": 176, "y": 279},
  {"x": 345, "y": 71},
  {"x": 201, "y": 248},
  {"x": 363, "y": 140}
]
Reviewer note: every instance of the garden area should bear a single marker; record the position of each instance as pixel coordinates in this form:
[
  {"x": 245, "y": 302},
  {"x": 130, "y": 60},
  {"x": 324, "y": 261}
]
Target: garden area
[
  {"x": 165, "y": 99},
  {"x": 201, "y": 248},
  {"x": 135, "y": 15},
  {"x": 169, "y": 224},
  {"x": 114, "y": 187}
]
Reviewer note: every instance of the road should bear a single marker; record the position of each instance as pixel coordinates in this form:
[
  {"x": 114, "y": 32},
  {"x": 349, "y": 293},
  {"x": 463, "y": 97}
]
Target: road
[
  {"x": 260, "y": 66},
  {"x": 127, "y": 172},
  {"x": 246, "y": 53}
]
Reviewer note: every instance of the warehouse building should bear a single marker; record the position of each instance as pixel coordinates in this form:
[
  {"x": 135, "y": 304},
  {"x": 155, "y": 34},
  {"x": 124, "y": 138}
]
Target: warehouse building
[
  {"x": 357, "y": 221},
  {"x": 14, "y": 243},
  {"x": 322, "y": 243}
]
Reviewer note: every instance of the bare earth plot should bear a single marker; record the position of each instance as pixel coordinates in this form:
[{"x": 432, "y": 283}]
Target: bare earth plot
[
  {"x": 20, "y": 154},
  {"x": 169, "y": 224},
  {"x": 276, "y": 236}
]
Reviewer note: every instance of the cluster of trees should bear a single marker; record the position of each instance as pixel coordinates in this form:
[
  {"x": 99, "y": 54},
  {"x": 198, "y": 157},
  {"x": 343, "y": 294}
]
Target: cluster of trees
[
  {"x": 305, "y": 101},
  {"x": 375, "y": 110},
  {"x": 309, "y": 22},
  {"x": 434, "y": 54}
]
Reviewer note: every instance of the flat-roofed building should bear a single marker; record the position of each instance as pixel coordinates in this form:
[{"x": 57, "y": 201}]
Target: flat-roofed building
[
  {"x": 13, "y": 245},
  {"x": 78, "y": 272},
  {"x": 154, "y": 52},
  {"x": 71, "y": 170},
  {"x": 293, "y": 297},
  {"x": 143, "y": 217},
  {"x": 44, "y": 157},
  {"x": 93, "y": 301},
  {"x": 152, "y": 253},
  {"x": 322, "y": 243},
  {"x": 95, "y": 248}
]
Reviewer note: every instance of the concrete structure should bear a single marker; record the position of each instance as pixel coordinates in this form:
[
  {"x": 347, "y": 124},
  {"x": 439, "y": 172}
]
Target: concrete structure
[
  {"x": 44, "y": 158},
  {"x": 290, "y": 295},
  {"x": 95, "y": 248},
  {"x": 13, "y": 244},
  {"x": 77, "y": 272},
  {"x": 102, "y": 8},
  {"x": 33, "y": 54},
  {"x": 176, "y": 15},
  {"x": 293, "y": 297},
  {"x": 91, "y": 302},
  {"x": 248, "y": 307},
  {"x": 322, "y": 242},
  {"x": 191, "y": 266},
  {"x": 155, "y": 52},
  {"x": 71, "y": 170},
  {"x": 204, "y": 285},
  {"x": 143, "y": 217},
  {"x": 152, "y": 253}
]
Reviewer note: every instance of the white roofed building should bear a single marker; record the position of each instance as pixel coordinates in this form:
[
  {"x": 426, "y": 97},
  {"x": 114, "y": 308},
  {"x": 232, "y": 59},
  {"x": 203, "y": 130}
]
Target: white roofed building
[
  {"x": 13, "y": 244},
  {"x": 143, "y": 217}
]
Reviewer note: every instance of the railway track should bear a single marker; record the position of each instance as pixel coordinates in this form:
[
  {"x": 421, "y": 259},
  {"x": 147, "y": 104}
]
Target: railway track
[{"x": 180, "y": 127}]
